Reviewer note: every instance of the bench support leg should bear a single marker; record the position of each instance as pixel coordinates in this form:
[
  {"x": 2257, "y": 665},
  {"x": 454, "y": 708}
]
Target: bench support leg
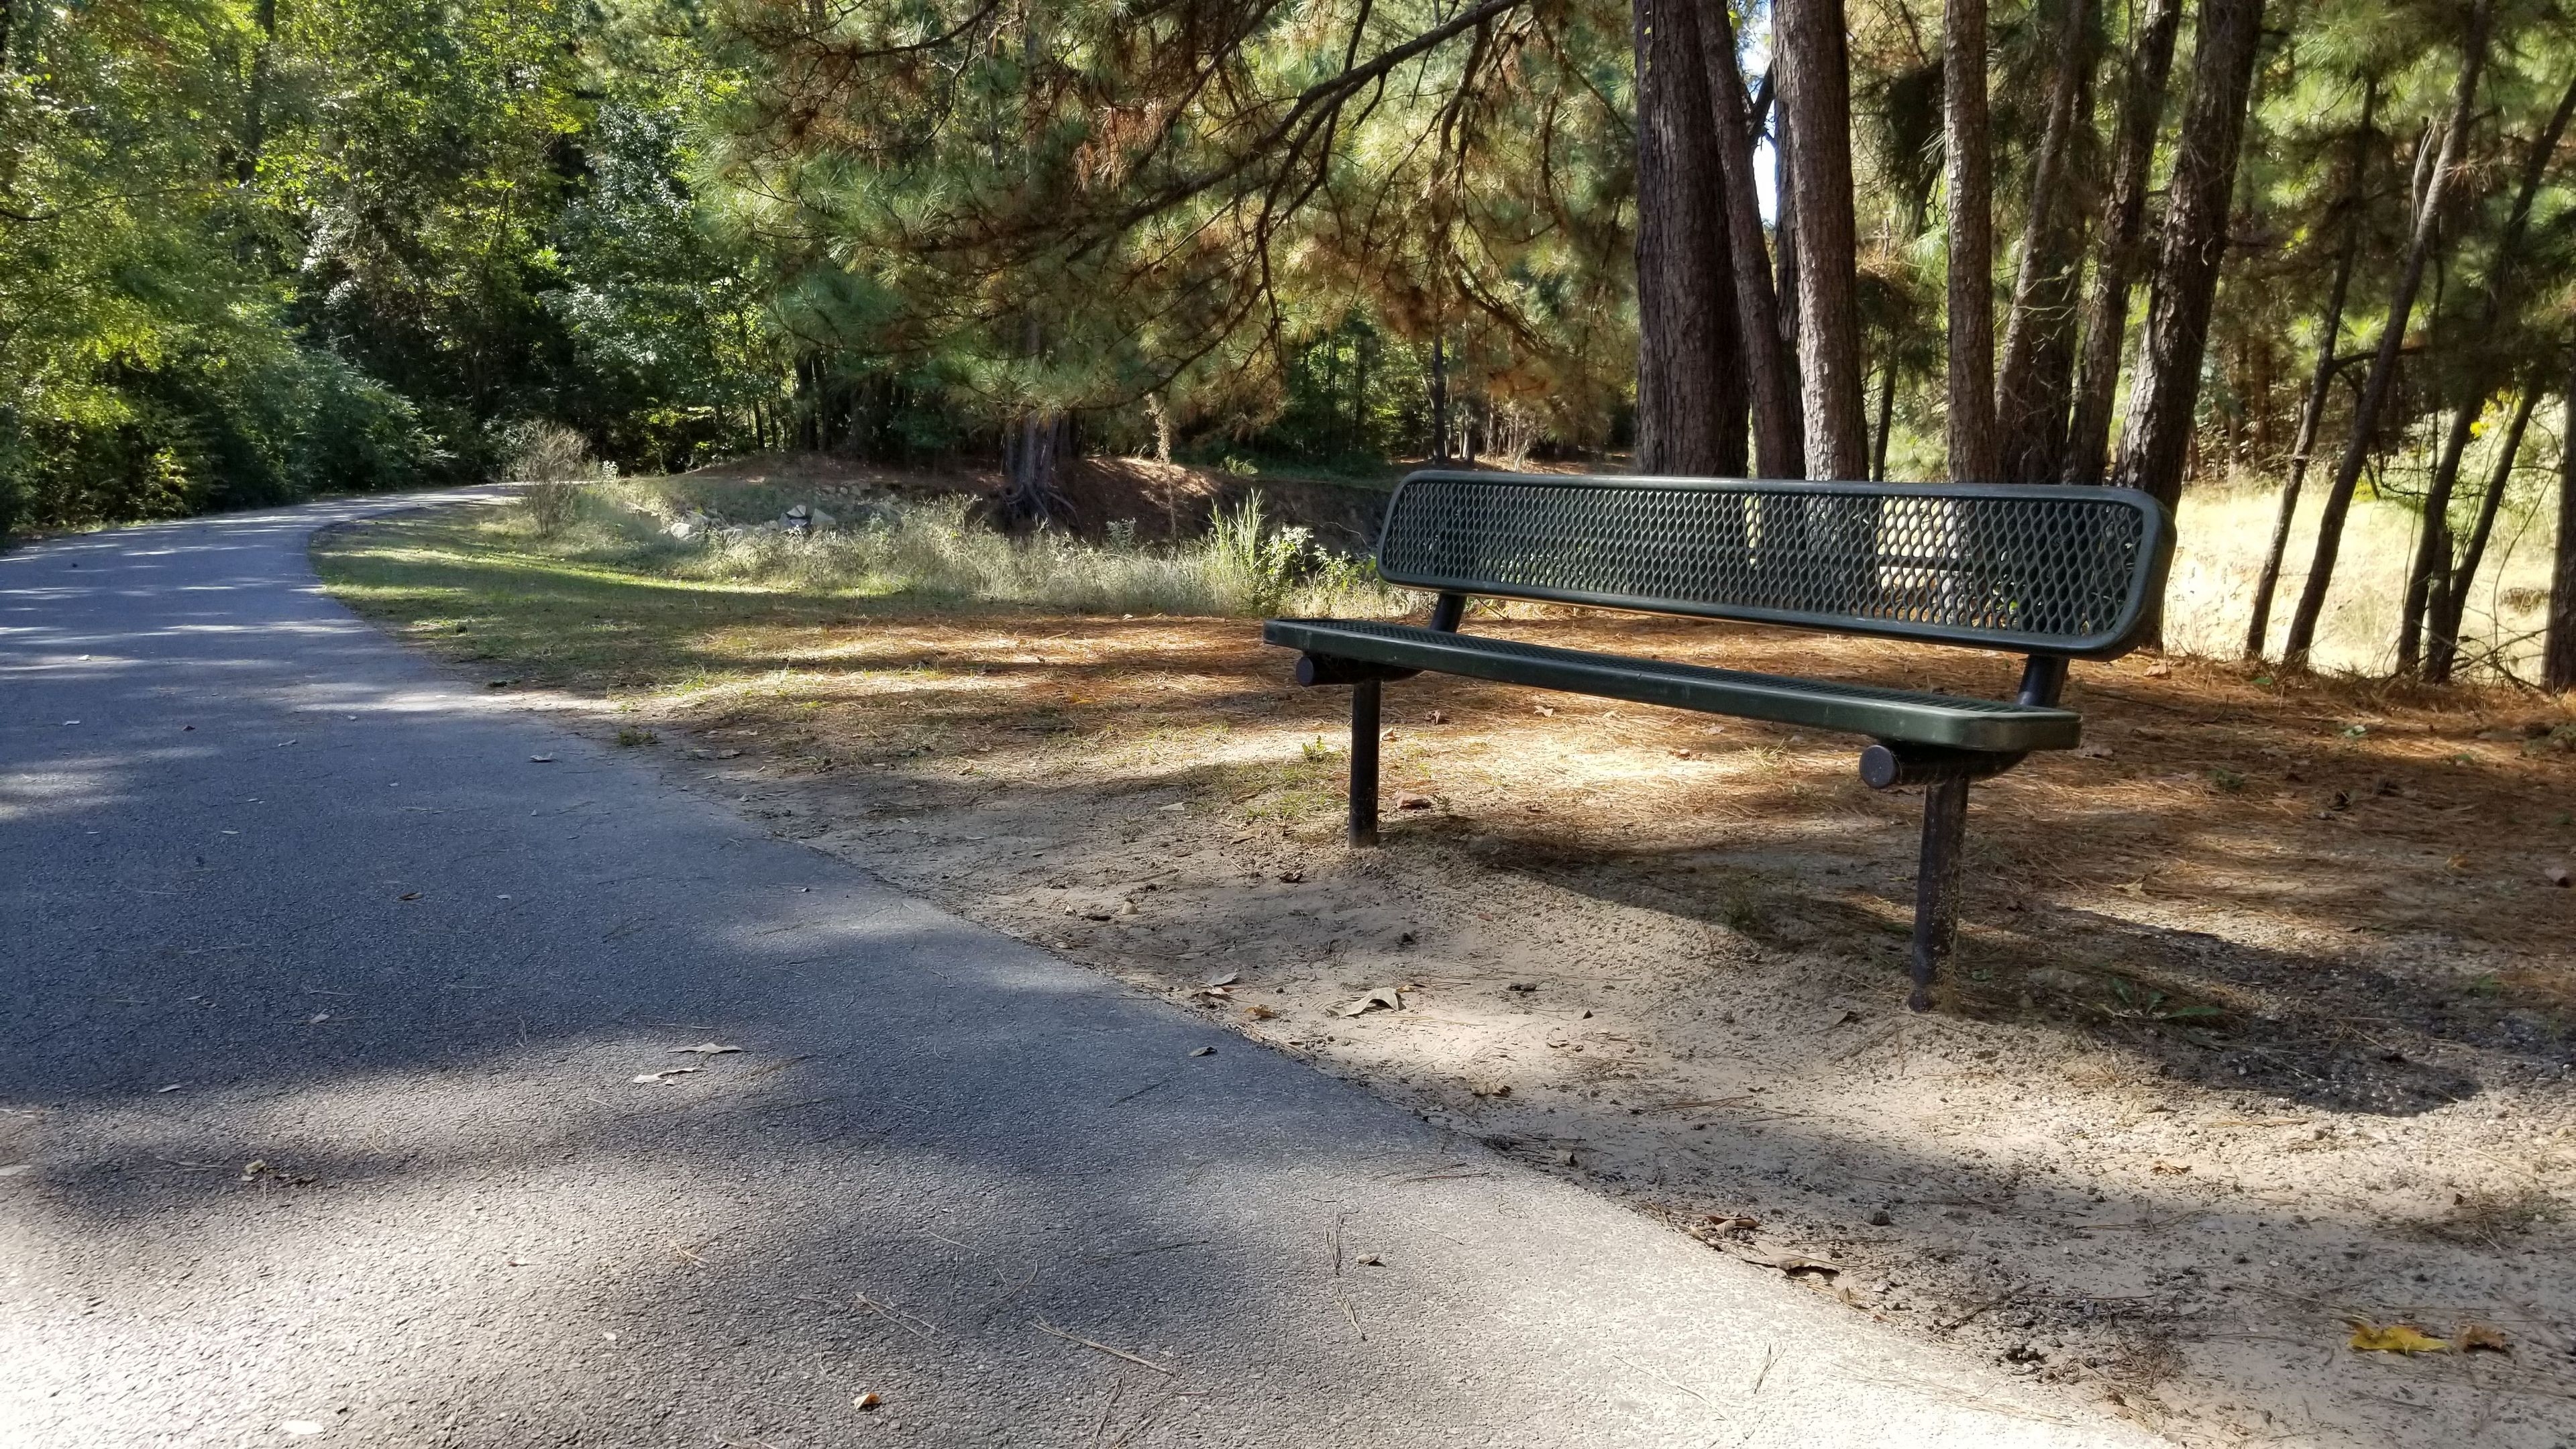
[
  {"x": 1364, "y": 701},
  {"x": 1936, "y": 882}
]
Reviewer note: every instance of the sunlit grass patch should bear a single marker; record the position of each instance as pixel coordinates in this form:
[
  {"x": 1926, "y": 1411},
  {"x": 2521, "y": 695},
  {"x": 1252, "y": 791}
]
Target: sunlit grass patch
[
  {"x": 2223, "y": 533},
  {"x": 930, "y": 552}
]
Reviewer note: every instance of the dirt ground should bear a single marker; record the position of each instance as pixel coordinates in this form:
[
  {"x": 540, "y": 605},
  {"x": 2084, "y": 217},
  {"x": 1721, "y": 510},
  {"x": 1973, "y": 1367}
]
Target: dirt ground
[{"x": 2262, "y": 1031}]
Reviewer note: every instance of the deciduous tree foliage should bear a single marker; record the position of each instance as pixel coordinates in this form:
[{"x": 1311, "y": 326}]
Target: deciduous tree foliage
[{"x": 254, "y": 249}]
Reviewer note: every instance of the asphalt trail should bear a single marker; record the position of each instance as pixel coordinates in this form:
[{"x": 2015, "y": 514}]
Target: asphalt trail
[{"x": 321, "y": 1007}]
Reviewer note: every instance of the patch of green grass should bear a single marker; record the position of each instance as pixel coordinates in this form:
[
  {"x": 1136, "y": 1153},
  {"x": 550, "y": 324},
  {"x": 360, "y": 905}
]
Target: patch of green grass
[
  {"x": 560, "y": 618},
  {"x": 1740, "y": 908},
  {"x": 590, "y": 580},
  {"x": 1307, "y": 787},
  {"x": 2132, "y": 1002}
]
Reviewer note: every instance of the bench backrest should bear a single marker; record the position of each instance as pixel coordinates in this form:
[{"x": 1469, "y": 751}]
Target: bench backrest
[{"x": 2033, "y": 569}]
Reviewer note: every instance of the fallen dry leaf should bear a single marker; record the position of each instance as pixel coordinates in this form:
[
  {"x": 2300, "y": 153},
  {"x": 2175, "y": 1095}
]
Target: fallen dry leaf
[
  {"x": 541, "y": 759},
  {"x": 662, "y": 1077},
  {"x": 1382, "y": 998},
  {"x": 866, "y": 1401},
  {"x": 1259, "y": 1013},
  {"x": 1224, "y": 978},
  {"x": 2395, "y": 1338},
  {"x": 708, "y": 1049},
  {"x": 1203, "y": 1052},
  {"x": 408, "y": 896},
  {"x": 2480, "y": 1338},
  {"x": 1792, "y": 1264}
]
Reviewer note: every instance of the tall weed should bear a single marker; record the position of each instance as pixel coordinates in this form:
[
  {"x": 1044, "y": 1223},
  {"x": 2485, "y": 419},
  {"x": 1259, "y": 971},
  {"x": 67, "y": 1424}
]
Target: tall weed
[{"x": 938, "y": 553}]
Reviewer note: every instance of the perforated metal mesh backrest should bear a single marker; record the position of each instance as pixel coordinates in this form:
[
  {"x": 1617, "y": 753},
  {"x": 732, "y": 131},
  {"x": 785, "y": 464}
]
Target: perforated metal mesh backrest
[{"x": 2038, "y": 569}]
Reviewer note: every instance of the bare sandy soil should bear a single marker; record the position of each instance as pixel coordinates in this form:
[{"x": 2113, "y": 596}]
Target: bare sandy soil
[{"x": 2263, "y": 1030}]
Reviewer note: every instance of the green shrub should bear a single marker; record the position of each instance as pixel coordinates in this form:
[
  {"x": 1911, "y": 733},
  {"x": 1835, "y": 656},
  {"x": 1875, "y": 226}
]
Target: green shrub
[{"x": 551, "y": 507}]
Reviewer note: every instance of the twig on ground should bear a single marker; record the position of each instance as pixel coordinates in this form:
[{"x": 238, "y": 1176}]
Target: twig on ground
[
  {"x": 1015, "y": 1292},
  {"x": 1344, "y": 1304},
  {"x": 1975, "y": 1312},
  {"x": 1698, "y": 1102},
  {"x": 1042, "y": 1326},
  {"x": 1675, "y": 1383},
  {"x": 898, "y": 1317},
  {"x": 1116, "y": 1387},
  {"x": 1142, "y": 1252}
]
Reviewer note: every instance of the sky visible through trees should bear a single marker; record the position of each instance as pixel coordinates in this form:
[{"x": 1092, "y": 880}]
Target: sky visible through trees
[{"x": 2321, "y": 250}]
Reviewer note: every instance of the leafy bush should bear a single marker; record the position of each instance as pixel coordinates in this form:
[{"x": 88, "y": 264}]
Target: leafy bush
[{"x": 542, "y": 452}]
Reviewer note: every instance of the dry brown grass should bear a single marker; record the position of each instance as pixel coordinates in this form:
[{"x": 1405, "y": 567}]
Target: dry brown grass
[{"x": 2278, "y": 814}]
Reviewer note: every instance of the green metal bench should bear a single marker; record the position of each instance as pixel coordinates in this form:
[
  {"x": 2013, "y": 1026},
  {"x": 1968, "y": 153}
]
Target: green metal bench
[{"x": 2053, "y": 573}]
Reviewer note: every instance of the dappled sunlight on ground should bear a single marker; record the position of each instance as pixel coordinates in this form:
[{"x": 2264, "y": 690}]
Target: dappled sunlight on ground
[{"x": 2262, "y": 1017}]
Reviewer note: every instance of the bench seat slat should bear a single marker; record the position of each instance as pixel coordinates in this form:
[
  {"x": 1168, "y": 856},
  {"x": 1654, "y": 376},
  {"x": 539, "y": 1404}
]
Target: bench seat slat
[{"x": 1909, "y": 716}]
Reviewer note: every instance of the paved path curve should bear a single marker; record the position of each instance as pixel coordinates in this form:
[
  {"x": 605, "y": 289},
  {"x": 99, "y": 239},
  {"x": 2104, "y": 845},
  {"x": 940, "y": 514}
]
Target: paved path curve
[{"x": 321, "y": 1009}]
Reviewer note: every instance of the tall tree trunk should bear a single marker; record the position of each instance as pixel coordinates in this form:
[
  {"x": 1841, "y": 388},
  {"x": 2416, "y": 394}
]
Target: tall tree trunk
[
  {"x": 2166, "y": 393},
  {"x": 2432, "y": 558},
  {"x": 2558, "y": 655},
  {"x": 2030, "y": 389},
  {"x": 1778, "y": 447},
  {"x": 1784, "y": 232},
  {"x": 2392, "y": 337},
  {"x": 1440, "y": 399},
  {"x": 2450, "y": 600},
  {"x": 1690, "y": 378},
  {"x": 1033, "y": 458},
  {"x": 1968, "y": 157},
  {"x": 2124, "y": 211},
  {"x": 1033, "y": 450},
  {"x": 1815, "y": 96},
  {"x": 2433, "y": 542},
  {"x": 2313, "y": 412}
]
